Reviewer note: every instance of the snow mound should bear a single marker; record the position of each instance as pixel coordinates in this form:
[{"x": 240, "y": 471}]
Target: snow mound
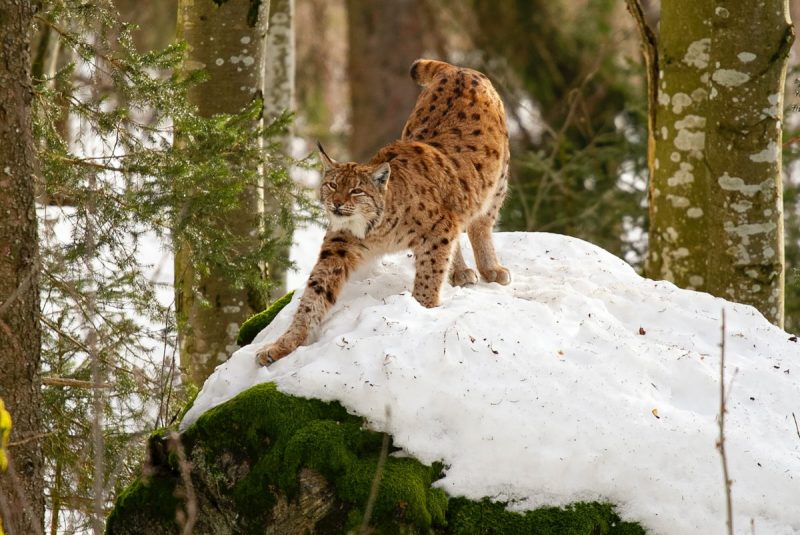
[{"x": 579, "y": 381}]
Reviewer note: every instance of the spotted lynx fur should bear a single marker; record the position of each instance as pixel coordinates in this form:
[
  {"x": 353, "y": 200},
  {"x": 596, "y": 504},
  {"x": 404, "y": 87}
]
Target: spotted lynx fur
[{"x": 448, "y": 173}]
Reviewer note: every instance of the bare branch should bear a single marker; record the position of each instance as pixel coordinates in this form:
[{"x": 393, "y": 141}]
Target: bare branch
[
  {"x": 22, "y": 288},
  {"x": 27, "y": 439},
  {"x": 376, "y": 481},
  {"x": 188, "y": 517},
  {"x": 74, "y": 383},
  {"x": 650, "y": 53},
  {"x": 721, "y": 442},
  {"x": 22, "y": 503}
]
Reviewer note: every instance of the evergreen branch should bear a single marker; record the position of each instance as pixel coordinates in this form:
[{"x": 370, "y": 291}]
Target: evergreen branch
[
  {"x": 93, "y": 165},
  {"x": 71, "y": 39}
]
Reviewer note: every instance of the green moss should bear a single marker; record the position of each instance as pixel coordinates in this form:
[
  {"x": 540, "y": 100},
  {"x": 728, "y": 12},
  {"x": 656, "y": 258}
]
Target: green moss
[
  {"x": 404, "y": 494},
  {"x": 256, "y": 323},
  {"x": 151, "y": 498},
  {"x": 286, "y": 433},
  {"x": 252, "y": 448},
  {"x": 492, "y": 518}
]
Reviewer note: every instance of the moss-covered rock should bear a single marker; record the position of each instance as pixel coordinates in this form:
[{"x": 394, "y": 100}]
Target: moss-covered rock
[
  {"x": 488, "y": 518},
  {"x": 267, "y": 462},
  {"x": 255, "y": 323}
]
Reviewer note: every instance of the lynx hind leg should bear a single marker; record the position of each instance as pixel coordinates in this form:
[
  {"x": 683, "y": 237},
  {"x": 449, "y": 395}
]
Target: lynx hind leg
[
  {"x": 433, "y": 265},
  {"x": 480, "y": 235},
  {"x": 460, "y": 273}
]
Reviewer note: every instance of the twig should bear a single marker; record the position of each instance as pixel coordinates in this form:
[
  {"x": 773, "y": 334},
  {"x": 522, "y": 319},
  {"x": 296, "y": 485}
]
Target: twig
[
  {"x": 22, "y": 505},
  {"x": 74, "y": 383},
  {"x": 31, "y": 438},
  {"x": 23, "y": 287},
  {"x": 721, "y": 442},
  {"x": 376, "y": 481},
  {"x": 791, "y": 141},
  {"x": 651, "y": 63},
  {"x": 796, "y": 428}
]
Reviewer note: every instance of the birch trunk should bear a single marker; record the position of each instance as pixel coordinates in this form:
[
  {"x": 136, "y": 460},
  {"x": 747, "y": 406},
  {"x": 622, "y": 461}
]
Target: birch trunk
[
  {"x": 716, "y": 218},
  {"x": 279, "y": 79},
  {"x": 750, "y": 56},
  {"x": 21, "y": 487},
  {"x": 227, "y": 39}
]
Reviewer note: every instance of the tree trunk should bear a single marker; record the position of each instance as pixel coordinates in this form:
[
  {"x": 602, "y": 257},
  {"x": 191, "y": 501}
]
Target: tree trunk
[
  {"x": 716, "y": 218},
  {"x": 385, "y": 37},
  {"x": 21, "y": 488},
  {"x": 227, "y": 39},
  {"x": 279, "y": 78}
]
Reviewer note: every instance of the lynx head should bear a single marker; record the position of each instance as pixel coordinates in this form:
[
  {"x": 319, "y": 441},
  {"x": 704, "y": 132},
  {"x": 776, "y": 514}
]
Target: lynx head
[{"x": 353, "y": 194}]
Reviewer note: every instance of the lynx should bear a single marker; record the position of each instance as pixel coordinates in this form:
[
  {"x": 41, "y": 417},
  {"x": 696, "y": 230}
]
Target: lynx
[{"x": 447, "y": 173}]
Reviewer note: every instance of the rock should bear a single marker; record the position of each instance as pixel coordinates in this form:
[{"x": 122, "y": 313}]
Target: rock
[{"x": 267, "y": 462}]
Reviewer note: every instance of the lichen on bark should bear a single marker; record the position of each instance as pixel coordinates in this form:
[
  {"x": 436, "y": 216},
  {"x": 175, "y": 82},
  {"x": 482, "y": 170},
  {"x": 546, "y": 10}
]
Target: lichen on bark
[{"x": 716, "y": 222}]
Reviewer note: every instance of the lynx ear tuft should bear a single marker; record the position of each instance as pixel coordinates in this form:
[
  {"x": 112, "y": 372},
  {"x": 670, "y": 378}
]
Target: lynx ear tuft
[
  {"x": 327, "y": 161},
  {"x": 381, "y": 174}
]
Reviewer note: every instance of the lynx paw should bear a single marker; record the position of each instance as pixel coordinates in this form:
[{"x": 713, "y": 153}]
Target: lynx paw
[
  {"x": 270, "y": 353},
  {"x": 499, "y": 274},
  {"x": 463, "y": 277}
]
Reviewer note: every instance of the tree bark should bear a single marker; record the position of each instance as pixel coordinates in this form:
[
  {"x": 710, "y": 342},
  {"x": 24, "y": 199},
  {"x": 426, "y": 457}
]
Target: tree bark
[
  {"x": 750, "y": 53},
  {"x": 279, "y": 89},
  {"x": 227, "y": 39},
  {"x": 21, "y": 488},
  {"x": 716, "y": 218},
  {"x": 385, "y": 37}
]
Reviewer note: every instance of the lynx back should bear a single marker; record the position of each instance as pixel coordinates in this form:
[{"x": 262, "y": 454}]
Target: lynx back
[{"x": 446, "y": 174}]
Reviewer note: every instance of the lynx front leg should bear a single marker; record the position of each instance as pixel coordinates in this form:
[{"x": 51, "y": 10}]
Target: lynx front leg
[
  {"x": 338, "y": 258},
  {"x": 432, "y": 264},
  {"x": 460, "y": 273}
]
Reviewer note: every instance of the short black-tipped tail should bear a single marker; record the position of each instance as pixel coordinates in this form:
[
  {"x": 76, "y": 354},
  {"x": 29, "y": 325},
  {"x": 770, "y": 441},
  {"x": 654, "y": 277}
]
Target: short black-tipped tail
[{"x": 425, "y": 70}]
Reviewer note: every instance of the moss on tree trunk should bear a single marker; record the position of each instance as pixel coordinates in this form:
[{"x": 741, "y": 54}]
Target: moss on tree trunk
[
  {"x": 716, "y": 221},
  {"x": 227, "y": 40}
]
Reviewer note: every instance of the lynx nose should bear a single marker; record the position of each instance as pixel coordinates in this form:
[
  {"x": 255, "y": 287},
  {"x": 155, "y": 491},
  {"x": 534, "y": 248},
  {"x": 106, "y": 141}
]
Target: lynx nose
[{"x": 337, "y": 208}]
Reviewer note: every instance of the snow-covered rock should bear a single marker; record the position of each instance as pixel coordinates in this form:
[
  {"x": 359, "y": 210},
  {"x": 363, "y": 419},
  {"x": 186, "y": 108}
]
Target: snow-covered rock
[{"x": 579, "y": 381}]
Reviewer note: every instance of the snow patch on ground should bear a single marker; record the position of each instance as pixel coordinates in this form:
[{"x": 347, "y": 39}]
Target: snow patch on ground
[{"x": 546, "y": 391}]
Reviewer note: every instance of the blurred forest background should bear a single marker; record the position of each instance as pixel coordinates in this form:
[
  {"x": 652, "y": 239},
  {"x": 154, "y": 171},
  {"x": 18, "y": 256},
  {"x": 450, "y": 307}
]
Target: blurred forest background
[{"x": 138, "y": 146}]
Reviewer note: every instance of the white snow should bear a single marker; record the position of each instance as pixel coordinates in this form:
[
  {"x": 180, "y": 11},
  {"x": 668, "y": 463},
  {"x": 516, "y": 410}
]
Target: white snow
[{"x": 546, "y": 392}]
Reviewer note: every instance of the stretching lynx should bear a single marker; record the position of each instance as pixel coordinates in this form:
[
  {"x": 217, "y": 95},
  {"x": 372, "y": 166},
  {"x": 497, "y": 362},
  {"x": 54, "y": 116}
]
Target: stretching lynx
[{"x": 447, "y": 173}]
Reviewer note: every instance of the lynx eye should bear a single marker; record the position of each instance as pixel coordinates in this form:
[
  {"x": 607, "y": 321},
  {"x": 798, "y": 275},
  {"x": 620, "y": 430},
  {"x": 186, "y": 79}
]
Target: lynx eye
[
  {"x": 330, "y": 185},
  {"x": 357, "y": 191}
]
